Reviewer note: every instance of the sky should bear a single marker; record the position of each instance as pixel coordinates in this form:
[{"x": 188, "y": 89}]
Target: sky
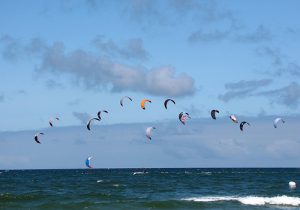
[{"x": 70, "y": 59}]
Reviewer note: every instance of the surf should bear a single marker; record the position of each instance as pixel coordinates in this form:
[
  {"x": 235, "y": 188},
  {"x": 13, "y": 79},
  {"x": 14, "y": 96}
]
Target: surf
[{"x": 250, "y": 200}]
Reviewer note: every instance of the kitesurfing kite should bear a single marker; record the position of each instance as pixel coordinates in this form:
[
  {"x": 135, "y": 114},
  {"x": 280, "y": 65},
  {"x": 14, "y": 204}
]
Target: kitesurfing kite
[
  {"x": 276, "y": 121},
  {"x": 88, "y": 125},
  {"x": 88, "y": 162},
  {"x": 36, "y": 137},
  {"x": 213, "y": 113},
  {"x": 122, "y": 99},
  {"x": 242, "y": 125},
  {"x": 167, "y": 101},
  {"x": 99, "y": 113},
  {"x": 143, "y": 103},
  {"x": 148, "y": 132},
  {"x": 183, "y": 117},
  {"x": 51, "y": 121},
  {"x": 233, "y": 118}
]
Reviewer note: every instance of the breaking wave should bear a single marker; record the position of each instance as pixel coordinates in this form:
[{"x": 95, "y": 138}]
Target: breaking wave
[{"x": 251, "y": 200}]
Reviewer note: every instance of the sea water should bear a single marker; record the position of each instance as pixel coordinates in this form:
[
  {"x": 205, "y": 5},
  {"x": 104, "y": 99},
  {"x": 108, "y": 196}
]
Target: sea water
[{"x": 185, "y": 188}]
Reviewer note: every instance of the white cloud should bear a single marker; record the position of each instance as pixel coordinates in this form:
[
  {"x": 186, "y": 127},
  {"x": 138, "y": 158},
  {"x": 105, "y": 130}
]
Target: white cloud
[
  {"x": 96, "y": 72},
  {"x": 83, "y": 117},
  {"x": 101, "y": 72}
]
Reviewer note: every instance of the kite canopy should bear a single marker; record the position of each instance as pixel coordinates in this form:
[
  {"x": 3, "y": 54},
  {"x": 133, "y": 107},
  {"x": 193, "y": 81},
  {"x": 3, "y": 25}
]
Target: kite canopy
[
  {"x": 183, "y": 117},
  {"x": 89, "y": 123},
  {"x": 51, "y": 121},
  {"x": 233, "y": 118},
  {"x": 277, "y": 120},
  {"x": 242, "y": 125},
  {"x": 213, "y": 113},
  {"x": 36, "y": 137},
  {"x": 88, "y": 162},
  {"x": 143, "y": 102},
  {"x": 148, "y": 132},
  {"x": 167, "y": 101},
  {"x": 122, "y": 99},
  {"x": 99, "y": 113}
]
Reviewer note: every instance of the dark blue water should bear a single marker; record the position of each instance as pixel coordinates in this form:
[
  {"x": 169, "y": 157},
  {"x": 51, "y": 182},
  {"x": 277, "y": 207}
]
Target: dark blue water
[{"x": 157, "y": 189}]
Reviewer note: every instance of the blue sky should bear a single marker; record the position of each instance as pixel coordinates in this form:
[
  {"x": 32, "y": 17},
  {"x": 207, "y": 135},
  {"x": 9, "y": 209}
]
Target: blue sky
[{"x": 73, "y": 58}]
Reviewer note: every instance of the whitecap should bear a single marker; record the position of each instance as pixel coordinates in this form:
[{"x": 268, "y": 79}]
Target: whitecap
[
  {"x": 206, "y": 173},
  {"x": 139, "y": 172},
  {"x": 119, "y": 185},
  {"x": 251, "y": 200}
]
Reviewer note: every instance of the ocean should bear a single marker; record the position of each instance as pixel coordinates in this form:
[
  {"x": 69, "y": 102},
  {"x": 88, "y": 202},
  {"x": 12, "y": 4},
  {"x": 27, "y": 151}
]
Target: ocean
[{"x": 185, "y": 188}]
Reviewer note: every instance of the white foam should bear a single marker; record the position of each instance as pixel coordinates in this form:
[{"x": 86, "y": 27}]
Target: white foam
[
  {"x": 139, "y": 172},
  {"x": 206, "y": 173},
  {"x": 251, "y": 200},
  {"x": 209, "y": 199}
]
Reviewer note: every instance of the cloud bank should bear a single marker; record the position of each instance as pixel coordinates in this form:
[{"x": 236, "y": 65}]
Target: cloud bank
[
  {"x": 288, "y": 95},
  {"x": 133, "y": 50},
  {"x": 96, "y": 72},
  {"x": 83, "y": 117},
  {"x": 199, "y": 143},
  {"x": 243, "y": 89},
  {"x": 102, "y": 72}
]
